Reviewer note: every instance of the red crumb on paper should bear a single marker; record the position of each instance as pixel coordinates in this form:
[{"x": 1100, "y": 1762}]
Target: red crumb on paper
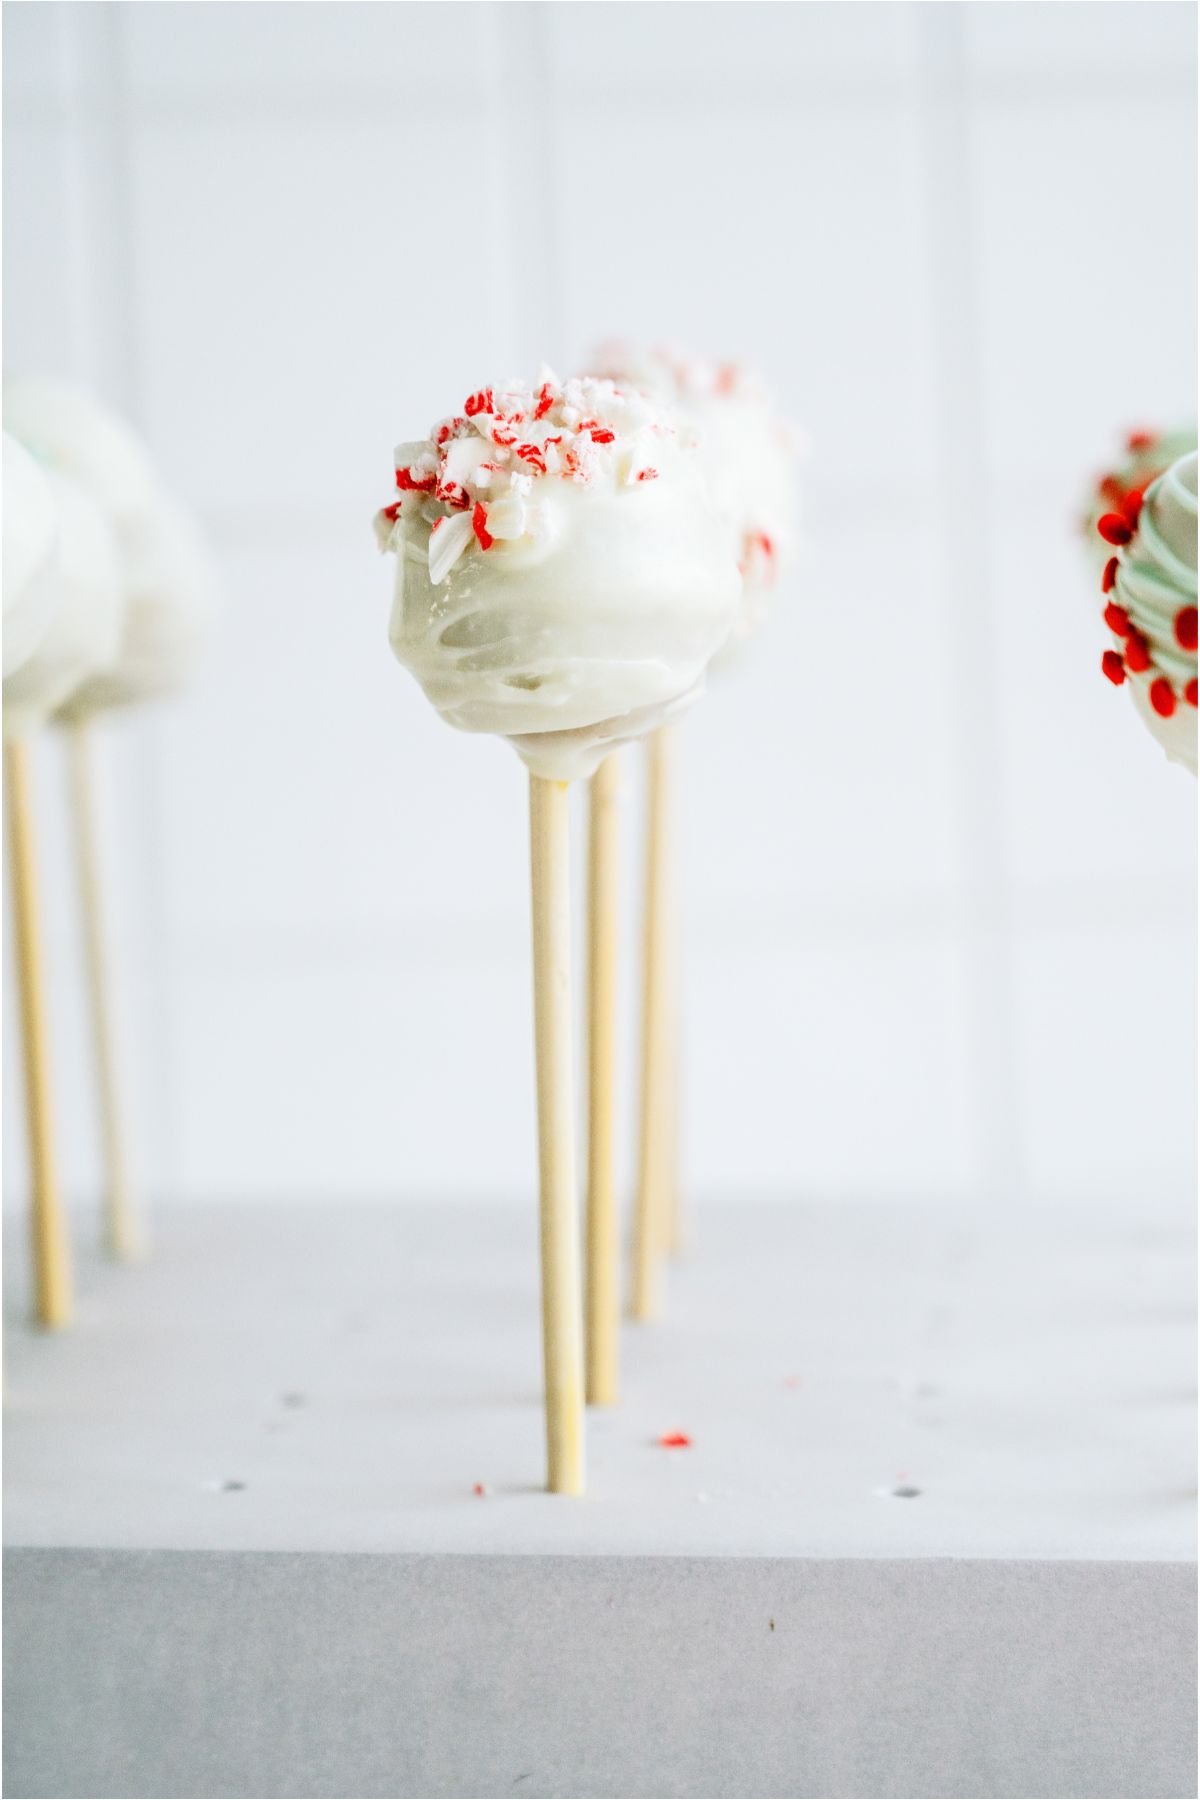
[
  {"x": 1139, "y": 440},
  {"x": 480, "y": 1490},
  {"x": 675, "y": 1440}
]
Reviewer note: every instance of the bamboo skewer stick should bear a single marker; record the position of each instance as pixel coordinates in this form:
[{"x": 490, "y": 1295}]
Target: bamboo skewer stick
[
  {"x": 52, "y": 1287},
  {"x": 122, "y": 1226},
  {"x": 602, "y": 1305},
  {"x": 655, "y": 1171},
  {"x": 562, "y": 1300}
]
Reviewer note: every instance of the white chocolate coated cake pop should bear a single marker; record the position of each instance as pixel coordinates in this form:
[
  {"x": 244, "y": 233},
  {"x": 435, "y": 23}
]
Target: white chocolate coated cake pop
[
  {"x": 750, "y": 453},
  {"x": 30, "y": 527},
  {"x": 84, "y": 630},
  {"x": 165, "y": 569},
  {"x": 1150, "y": 584},
  {"x": 563, "y": 575}
]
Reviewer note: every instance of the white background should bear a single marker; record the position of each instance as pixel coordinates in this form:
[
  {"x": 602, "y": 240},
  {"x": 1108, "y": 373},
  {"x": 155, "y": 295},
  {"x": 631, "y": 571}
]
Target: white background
[{"x": 940, "y": 880}]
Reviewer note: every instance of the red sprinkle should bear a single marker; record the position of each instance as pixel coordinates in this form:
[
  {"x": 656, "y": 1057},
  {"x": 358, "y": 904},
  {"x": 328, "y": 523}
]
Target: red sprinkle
[
  {"x": 1114, "y": 529},
  {"x": 1137, "y": 653},
  {"x": 479, "y": 1490},
  {"x": 1185, "y": 627},
  {"x": 1113, "y": 667},
  {"x": 675, "y": 1440},
  {"x": 1117, "y": 619},
  {"x": 1110, "y": 575},
  {"x": 1111, "y": 490},
  {"x": 407, "y": 485},
  {"x": 483, "y": 401},
  {"x": 1140, "y": 440},
  {"x": 479, "y": 522},
  {"x": 1189, "y": 692},
  {"x": 1131, "y": 505},
  {"x": 1162, "y": 697}
]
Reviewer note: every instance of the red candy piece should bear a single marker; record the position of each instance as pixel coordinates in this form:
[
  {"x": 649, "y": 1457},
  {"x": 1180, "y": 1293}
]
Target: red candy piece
[
  {"x": 1117, "y": 619},
  {"x": 1137, "y": 653},
  {"x": 1185, "y": 627},
  {"x": 647, "y": 474},
  {"x": 407, "y": 485},
  {"x": 1114, "y": 529},
  {"x": 483, "y": 401},
  {"x": 479, "y": 523},
  {"x": 1113, "y": 667},
  {"x": 1140, "y": 440},
  {"x": 1189, "y": 692},
  {"x": 545, "y": 400},
  {"x": 1110, "y": 575},
  {"x": 392, "y": 512},
  {"x": 1162, "y": 697},
  {"x": 675, "y": 1440},
  {"x": 602, "y": 435}
]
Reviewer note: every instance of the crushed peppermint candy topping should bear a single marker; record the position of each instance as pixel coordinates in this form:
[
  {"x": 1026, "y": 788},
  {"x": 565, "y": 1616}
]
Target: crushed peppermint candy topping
[{"x": 473, "y": 480}]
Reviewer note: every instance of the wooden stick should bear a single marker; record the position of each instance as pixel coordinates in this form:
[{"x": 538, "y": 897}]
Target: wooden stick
[
  {"x": 602, "y": 1301},
  {"x": 562, "y": 1299},
  {"x": 122, "y": 1226},
  {"x": 651, "y": 1201},
  {"x": 52, "y": 1287}
]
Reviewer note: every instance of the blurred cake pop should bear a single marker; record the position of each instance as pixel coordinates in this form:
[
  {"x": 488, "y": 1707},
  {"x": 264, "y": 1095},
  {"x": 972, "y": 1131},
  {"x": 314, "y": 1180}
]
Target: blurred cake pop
[
  {"x": 164, "y": 568},
  {"x": 562, "y": 575},
  {"x": 1146, "y": 454},
  {"x": 29, "y": 542},
  {"x": 751, "y": 455},
  {"x": 1149, "y": 583},
  {"x": 83, "y": 600}
]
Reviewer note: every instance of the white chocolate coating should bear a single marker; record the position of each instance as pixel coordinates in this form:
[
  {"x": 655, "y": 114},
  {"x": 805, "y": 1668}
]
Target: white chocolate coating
[
  {"x": 30, "y": 528},
  {"x": 165, "y": 569},
  {"x": 568, "y": 600},
  {"x": 84, "y": 631}
]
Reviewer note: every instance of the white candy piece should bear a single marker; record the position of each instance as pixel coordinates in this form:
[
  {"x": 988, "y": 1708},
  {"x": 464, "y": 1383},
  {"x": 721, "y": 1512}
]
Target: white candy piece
[
  {"x": 165, "y": 568},
  {"x": 588, "y": 613},
  {"x": 84, "y": 631},
  {"x": 30, "y": 527}
]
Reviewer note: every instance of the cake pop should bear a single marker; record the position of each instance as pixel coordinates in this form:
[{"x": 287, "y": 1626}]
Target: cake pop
[
  {"x": 67, "y": 610},
  {"x": 562, "y": 580},
  {"x": 751, "y": 458},
  {"x": 166, "y": 588},
  {"x": 1149, "y": 583}
]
